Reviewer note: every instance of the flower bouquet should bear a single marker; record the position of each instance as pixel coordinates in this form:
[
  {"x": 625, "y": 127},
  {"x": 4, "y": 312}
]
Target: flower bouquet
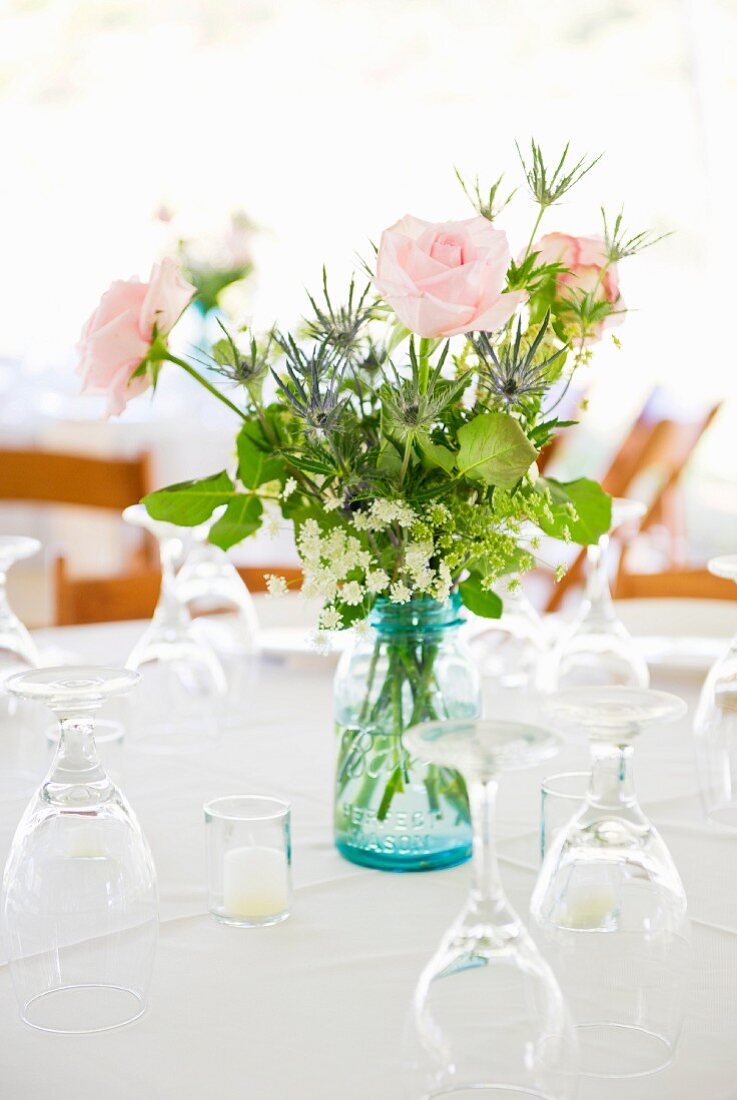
[{"x": 398, "y": 432}]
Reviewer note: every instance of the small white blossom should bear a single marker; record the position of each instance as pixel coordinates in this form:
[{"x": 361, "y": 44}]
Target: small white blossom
[
  {"x": 351, "y": 593},
  {"x": 376, "y": 581},
  {"x": 400, "y": 593},
  {"x": 320, "y": 642},
  {"x": 362, "y": 629},
  {"x": 443, "y": 584},
  {"x": 289, "y": 486},
  {"x": 330, "y": 619},
  {"x": 275, "y": 586}
]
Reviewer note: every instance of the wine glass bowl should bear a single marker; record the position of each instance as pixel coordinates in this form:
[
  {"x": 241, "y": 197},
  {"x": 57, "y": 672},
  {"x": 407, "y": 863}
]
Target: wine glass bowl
[
  {"x": 79, "y": 900},
  {"x": 715, "y": 724},
  {"x": 487, "y": 1015},
  {"x": 609, "y": 904}
]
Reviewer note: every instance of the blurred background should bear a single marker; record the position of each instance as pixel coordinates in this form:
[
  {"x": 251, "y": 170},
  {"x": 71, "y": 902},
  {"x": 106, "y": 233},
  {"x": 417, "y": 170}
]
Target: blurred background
[{"x": 259, "y": 139}]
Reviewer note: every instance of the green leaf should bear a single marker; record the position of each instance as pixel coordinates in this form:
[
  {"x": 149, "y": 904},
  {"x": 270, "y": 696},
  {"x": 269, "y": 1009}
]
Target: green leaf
[
  {"x": 257, "y": 462},
  {"x": 189, "y": 503},
  {"x": 593, "y": 510},
  {"x": 480, "y": 600},
  {"x": 494, "y": 449},
  {"x": 397, "y": 334},
  {"x": 240, "y": 519},
  {"x": 437, "y": 455}
]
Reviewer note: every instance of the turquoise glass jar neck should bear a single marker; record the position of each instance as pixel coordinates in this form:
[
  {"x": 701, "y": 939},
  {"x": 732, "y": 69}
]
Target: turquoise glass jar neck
[{"x": 420, "y": 615}]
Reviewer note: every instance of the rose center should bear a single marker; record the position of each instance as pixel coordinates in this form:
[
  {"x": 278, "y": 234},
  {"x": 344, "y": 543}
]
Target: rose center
[{"x": 448, "y": 250}]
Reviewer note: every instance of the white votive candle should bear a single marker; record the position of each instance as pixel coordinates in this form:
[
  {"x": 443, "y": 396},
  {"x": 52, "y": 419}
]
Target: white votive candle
[{"x": 255, "y": 883}]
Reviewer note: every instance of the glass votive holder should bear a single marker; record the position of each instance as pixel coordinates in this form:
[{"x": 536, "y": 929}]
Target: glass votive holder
[
  {"x": 249, "y": 858},
  {"x": 561, "y": 796}
]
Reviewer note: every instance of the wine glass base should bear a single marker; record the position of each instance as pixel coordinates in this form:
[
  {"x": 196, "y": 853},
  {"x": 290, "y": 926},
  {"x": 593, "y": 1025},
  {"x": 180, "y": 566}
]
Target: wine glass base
[
  {"x": 622, "y": 1050},
  {"x": 725, "y": 814},
  {"x": 497, "y": 1092},
  {"x": 83, "y": 1009}
]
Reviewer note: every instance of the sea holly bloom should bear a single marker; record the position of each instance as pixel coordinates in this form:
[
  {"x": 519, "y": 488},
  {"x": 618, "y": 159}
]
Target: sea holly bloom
[
  {"x": 446, "y": 278},
  {"x": 118, "y": 336},
  {"x": 589, "y": 273}
]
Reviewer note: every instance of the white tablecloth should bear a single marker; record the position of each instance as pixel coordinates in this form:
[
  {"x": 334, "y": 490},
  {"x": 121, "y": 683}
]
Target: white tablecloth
[{"x": 313, "y": 1009}]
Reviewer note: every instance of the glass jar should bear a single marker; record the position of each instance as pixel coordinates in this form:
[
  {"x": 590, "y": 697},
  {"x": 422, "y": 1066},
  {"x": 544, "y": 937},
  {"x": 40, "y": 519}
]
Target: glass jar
[{"x": 392, "y": 812}]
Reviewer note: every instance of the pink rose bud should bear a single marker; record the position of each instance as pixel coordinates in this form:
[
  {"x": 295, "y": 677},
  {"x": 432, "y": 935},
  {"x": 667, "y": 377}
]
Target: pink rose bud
[
  {"x": 118, "y": 335},
  {"x": 448, "y": 278},
  {"x": 588, "y": 273}
]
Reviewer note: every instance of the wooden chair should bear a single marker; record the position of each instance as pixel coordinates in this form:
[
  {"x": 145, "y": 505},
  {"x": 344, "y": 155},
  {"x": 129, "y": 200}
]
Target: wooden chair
[
  {"x": 55, "y": 477},
  {"x": 694, "y": 584},
  {"x": 84, "y": 481},
  {"x": 133, "y": 595},
  {"x": 656, "y": 449}
]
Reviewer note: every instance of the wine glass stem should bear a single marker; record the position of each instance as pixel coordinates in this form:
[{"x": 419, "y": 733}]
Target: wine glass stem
[
  {"x": 170, "y": 610},
  {"x": 598, "y": 592},
  {"x": 612, "y": 782},
  {"x": 76, "y": 774},
  {"x": 487, "y": 885}
]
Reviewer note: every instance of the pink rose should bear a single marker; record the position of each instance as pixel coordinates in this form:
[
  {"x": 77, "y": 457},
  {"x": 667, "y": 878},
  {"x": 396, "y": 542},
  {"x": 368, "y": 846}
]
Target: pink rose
[
  {"x": 589, "y": 273},
  {"x": 447, "y": 278},
  {"x": 118, "y": 335}
]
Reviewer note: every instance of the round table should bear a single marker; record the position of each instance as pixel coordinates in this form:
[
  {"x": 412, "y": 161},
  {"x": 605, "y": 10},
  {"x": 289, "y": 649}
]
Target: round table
[{"x": 313, "y": 1008}]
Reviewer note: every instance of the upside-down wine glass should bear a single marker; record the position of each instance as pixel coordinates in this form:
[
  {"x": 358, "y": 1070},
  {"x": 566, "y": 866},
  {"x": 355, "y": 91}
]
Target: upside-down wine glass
[
  {"x": 208, "y": 582},
  {"x": 508, "y": 650},
  {"x": 184, "y": 685},
  {"x": 22, "y": 759},
  {"x": 17, "y": 648},
  {"x": 609, "y": 903},
  {"x": 715, "y": 724},
  {"x": 79, "y": 901},
  {"x": 597, "y": 649},
  {"x": 487, "y": 1016}
]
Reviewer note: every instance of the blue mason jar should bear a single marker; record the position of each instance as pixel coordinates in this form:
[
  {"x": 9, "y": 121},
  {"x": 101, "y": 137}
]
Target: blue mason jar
[{"x": 393, "y": 812}]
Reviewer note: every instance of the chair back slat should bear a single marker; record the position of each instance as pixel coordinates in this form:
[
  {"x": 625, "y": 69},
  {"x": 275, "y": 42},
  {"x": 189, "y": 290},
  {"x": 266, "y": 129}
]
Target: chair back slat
[{"x": 59, "y": 478}]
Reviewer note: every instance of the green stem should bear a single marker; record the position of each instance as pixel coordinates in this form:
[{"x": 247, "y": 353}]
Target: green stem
[
  {"x": 203, "y": 382},
  {"x": 535, "y": 228},
  {"x": 424, "y": 360},
  {"x": 405, "y": 459}
]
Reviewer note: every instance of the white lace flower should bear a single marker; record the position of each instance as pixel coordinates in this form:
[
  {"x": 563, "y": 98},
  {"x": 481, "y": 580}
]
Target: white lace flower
[
  {"x": 362, "y": 629},
  {"x": 275, "y": 586},
  {"x": 443, "y": 584},
  {"x": 330, "y": 619},
  {"x": 400, "y": 593},
  {"x": 376, "y": 581},
  {"x": 351, "y": 593},
  {"x": 289, "y": 486},
  {"x": 362, "y": 521}
]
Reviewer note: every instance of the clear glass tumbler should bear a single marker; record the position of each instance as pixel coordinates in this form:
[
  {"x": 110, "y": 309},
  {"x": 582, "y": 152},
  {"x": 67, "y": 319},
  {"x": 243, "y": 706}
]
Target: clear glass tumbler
[
  {"x": 561, "y": 796},
  {"x": 249, "y": 859}
]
